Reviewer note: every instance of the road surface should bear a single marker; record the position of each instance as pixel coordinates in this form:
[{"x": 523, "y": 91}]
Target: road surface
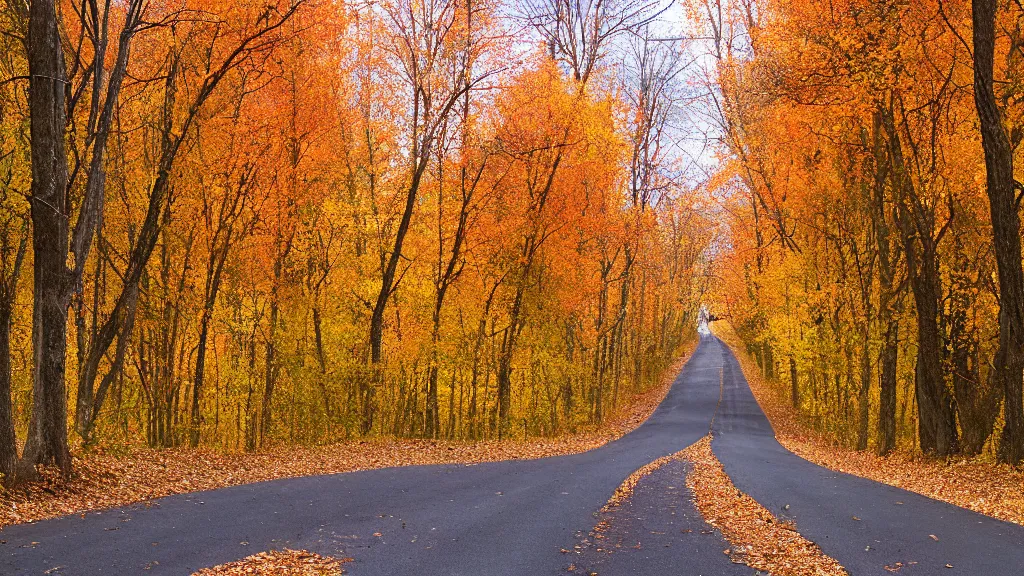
[{"x": 536, "y": 517}]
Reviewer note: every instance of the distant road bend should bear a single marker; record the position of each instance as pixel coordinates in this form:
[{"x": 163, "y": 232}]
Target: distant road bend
[{"x": 515, "y": 517}]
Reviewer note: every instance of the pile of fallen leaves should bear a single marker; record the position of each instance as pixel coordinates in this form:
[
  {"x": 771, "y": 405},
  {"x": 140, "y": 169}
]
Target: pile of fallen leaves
[
  {"x": 279, "y": 563},
  {"x": 758, "y": 539},
  {"x": 105, "y": 480},
  {"x": 992, "y": 489}
]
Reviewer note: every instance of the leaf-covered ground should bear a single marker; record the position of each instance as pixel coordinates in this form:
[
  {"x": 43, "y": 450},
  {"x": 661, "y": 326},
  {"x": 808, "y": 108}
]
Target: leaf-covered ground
[
  {"x": 995, "y": 490},
  {"x": 758, "y": 539},
  {"x": 105, "y": 480},
  {"x": 279, "y": 563}
]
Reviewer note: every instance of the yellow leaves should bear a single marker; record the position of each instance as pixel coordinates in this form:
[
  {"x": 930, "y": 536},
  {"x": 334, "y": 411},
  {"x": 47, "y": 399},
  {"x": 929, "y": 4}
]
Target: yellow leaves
[{"x": 280, "y": 563}]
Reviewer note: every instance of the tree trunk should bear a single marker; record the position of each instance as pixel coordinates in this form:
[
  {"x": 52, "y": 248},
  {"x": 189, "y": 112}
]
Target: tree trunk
[
  {"x": 1003, "y": 206},
  {"x": 200, "y": 373},
  {"x": 887, "y": 387},
  {"x": 8, "y": 443},
  {"x": 508, "y": 346},
  {"x": 864, "y": 394},
  {"x": 936, "y": 420},
  {"x": 794, "y": 387},
  {"x": 8, "y": 294},
  {"x": 976, "y": 405},
  {"x": 47, "y": 441},
  {"x": 270, "y": 374}
]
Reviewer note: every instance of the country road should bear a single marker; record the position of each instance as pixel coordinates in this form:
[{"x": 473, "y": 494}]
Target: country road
[{"x": 516, "y": 517}]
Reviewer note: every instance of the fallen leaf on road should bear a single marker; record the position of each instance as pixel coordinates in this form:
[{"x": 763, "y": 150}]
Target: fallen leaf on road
[
  {"x": 279, "y": 563},
  {"x": 758, "y": 539}
]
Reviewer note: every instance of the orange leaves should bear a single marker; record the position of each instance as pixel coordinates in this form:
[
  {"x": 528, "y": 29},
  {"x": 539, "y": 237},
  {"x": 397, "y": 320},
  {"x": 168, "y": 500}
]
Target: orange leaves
[
  {"x": 758, "y": 538},
  {"x": 280, "y": 563}
]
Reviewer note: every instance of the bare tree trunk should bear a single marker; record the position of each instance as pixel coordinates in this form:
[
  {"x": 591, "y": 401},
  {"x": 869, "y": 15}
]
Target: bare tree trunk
[
  {"x": 977, "y": 405},
  {"x": 936, "y": 420},
  {"x": 1003, "y": 206},
  {"x": 271, "y": 363},
  {"x": 793, "y": 384},
  {"x": 508, "y": 345},
  {"x": 200, "y": 373},
  {"x": 864, "y": 393},
  {"x": 10, "y": 271},
  {"x": 887, "y": 388},
  {"x": 47, "y": 441},
  {"x": 8, "y": 443}
]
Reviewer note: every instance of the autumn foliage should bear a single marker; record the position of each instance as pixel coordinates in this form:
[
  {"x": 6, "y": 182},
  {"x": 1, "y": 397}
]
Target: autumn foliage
[
  {"x": 874, "y": 266},
  {"x": 300, "y": 221}
]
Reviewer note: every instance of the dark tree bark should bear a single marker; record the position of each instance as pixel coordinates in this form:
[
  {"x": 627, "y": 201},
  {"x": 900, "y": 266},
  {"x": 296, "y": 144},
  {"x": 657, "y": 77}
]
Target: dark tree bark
[
  {"x": 936, "y": 420},
  {"x": 794, "y": 384},
  {"x": 272, "y": 365},
  {"x": 977, "y": 405},
  {"x": 8, "y": 292},
  {"x": 888, "y": 292},
  {"x": 1003, "y": 206},
  {"x": 916, "y": 222},
  {"x": 47, "y": 441},
  {"x": 887, "y": 388},
  {"x": 864, "y": 393}
]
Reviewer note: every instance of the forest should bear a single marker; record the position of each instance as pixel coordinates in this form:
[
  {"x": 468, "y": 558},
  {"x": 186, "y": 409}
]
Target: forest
[
  {"x": 239, "y": 224},
  {"x": 874, "y": 268},
  {"x": 502, "y": 286}
]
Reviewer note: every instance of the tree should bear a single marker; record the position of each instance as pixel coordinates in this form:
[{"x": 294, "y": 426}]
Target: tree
[
  {"x": 48, "y": 439},
  {"x": 1004, "y": 207}
]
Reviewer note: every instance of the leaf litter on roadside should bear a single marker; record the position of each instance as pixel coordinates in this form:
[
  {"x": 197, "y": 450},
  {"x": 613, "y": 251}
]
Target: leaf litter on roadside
[
  {"x": 996, "y": 490},
  {"x": 104, "y": 480},
  {"x": 758, "y": 539}
]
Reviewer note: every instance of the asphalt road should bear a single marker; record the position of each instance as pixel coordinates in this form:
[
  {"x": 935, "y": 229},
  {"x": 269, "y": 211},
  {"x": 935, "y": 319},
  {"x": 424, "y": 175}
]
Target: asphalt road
[
  {"x": 656, "y": 531},
  {"x": 497, "y": 518},
  {"x": 864, "y": 525},
  {"x": 516, "y": 517}
]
